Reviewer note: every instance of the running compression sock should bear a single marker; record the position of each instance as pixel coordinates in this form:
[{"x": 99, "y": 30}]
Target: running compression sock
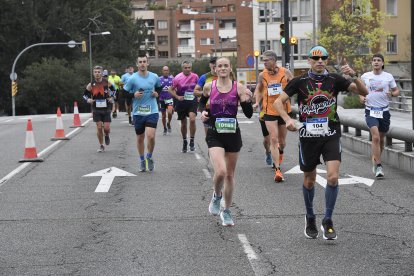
[
  {"x": 191, "y": 139},
  {"x": 330, "y": 198},
  {"x": 308, "y": 195},
  {"x": 149, "y": 155},
  {"x": 142, "y": 157}
]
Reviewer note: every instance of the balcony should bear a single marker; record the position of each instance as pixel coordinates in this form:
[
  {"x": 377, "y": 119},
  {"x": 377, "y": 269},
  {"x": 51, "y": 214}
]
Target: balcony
[
  {"x": 186, "y": 49},
  {"x": 185, "y": 34}
]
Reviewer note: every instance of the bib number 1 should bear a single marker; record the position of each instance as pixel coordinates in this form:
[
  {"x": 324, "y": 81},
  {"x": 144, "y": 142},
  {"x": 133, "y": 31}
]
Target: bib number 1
[
  {"x": 317, "y": 126},
  {"x": 226, "y": 125}
]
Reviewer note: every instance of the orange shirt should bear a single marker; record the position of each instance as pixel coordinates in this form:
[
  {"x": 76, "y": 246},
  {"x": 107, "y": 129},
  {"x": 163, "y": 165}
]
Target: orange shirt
[{"x": 273, "y": 85}]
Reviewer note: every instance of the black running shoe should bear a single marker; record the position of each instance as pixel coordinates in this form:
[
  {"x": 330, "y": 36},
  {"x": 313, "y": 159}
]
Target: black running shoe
[
  {"x": 165, "y": 131},
  {"x": 328, "y": 230},
  {"x": 107, "y": 140},
  {"x": 192, "y": 147},
  {"x": 311, "y": 231},
  {"x": 114, "y": 114},
  {"x": 184, "y": 146}
]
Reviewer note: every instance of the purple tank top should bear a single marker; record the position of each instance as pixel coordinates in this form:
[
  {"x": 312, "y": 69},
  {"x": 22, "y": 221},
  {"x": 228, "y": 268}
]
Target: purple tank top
[{"x": 223, "y": 105}]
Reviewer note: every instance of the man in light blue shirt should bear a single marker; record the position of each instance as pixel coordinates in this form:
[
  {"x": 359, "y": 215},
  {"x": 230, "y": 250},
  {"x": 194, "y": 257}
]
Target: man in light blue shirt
[{"x": 144, "y": 87}]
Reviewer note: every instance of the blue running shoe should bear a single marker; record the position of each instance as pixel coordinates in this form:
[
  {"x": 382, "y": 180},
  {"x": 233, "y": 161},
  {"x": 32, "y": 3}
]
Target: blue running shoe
[
  {"x": 214, "y": 206},
  {"x": 226, "y": 218},
  {"x": 269, "y": 160}
]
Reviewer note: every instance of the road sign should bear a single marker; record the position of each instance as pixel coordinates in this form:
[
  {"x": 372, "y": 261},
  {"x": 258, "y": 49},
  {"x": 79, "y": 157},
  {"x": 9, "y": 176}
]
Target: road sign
[
  {"x": 72, "y": 44},
  {"x": 342, "y": 181},
  {"x": 108, "y": 176},
  {"x": 250, "y": 60}
]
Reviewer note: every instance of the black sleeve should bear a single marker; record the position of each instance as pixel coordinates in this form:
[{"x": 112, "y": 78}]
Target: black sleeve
[
  {"x": 203, "y": 102},
  {"x": 247, "y": 109},
  {"x": 86, "y": 95},
  {"x": 292, "y": 86},
  {"x": 341, "y": 84}
]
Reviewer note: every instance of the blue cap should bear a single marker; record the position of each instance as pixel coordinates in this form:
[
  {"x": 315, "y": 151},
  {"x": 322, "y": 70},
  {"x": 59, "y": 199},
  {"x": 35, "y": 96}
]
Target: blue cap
[{"x": 318, "y": 51}]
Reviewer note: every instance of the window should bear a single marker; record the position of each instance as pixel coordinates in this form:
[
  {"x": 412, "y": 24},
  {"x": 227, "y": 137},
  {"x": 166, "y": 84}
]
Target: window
[
  {"x": 203, "y": 26},
  {"x": 204, "y": 41},
  {"x": 162, "y": 24},
  {"x": 163, "y": 40},
  {"x": 262, "y": 46},
  {"x": 184, "y": 41},
  {"x": 304, "y": 47},
  {"x": 392, "y": 44},
  {"x": 277, "y": 48},
  {"x": 163, "y": 54},
  {"x": 232, "y": 8},
  {"x": 359, "y": 8},
  {"x": 392, "y": 7},
  {"x": 305, "y": 10}
]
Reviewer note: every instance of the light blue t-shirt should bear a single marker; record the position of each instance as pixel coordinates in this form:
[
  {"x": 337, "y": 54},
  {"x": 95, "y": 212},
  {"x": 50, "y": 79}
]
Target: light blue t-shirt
[
  {"x": 147, "y": 104},
  {"x": 125, "y": 77}
]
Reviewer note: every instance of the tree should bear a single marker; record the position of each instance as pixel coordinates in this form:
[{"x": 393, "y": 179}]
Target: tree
[{"x": 354, "y": 33}]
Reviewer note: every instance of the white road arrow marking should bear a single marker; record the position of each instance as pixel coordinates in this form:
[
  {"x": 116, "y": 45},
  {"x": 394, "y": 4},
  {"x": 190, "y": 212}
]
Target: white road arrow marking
[
  {"x": 108, "y": 176},
  {"x": 342, "y": 181}
]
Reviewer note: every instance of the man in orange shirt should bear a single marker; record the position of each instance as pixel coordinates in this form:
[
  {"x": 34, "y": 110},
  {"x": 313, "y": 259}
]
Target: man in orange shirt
[{"x": 271, "y": 84}]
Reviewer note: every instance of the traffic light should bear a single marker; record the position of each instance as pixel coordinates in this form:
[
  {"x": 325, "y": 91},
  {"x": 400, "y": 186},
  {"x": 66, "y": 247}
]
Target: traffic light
[
  {"x": 14, "y": 88},
  {"x": 282, "y": 33},
  {"x": 83, "y": 46},
  {"x": 293, "y": 40}
]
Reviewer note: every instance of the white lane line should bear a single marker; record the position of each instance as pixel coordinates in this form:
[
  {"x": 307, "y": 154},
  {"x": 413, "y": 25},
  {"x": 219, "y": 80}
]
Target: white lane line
[
  {"x": 206, "y": 173},
  {"x": 251, "y": 256},
  {"x": 24, "y": 165},
  {"x": 9, "y": 120},
  {"x": 197, "y": 156}
]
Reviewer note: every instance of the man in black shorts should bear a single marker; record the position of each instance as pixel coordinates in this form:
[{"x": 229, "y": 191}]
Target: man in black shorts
[
  {"x": 100, "y": 96},
  {"x": 320, "y": 132}
]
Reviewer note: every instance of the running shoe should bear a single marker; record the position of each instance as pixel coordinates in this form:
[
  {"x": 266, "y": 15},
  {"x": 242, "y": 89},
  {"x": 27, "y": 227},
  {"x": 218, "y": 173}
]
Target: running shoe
[
  {"x": 143, "y": 166},
  {"x": 165, "y": 131},
  {"x": 378, "y": 171},
  {"x": 278, "y": 176},
  {"x": 184, "y": 150},
  {"x": 311, "y": 231},
  {"x": 269, "y": 160},
  {"x": 150, "y": 164},
  {"x": 130, "y": 120},
  {"x": 328, "y": 230},
  {"x": 114, "y": 114},
  {"x": 214, "y": 206},
  {"x": 226, "y": 219},
  {"x": 107, "y": 140},
  {"x": 101, "y": 148},
  {"x": 169, "y": 127},
  {"x": 192, "y": 147}
]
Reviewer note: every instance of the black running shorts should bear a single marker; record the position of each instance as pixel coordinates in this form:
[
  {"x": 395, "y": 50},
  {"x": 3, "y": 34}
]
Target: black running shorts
[
  {"x": 311, "y": 150},
  {"x": 231, "y": 142}
]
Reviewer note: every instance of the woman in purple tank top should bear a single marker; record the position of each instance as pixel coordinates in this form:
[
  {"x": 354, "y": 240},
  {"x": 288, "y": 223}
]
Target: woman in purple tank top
[{"x": 223, "y": 137}]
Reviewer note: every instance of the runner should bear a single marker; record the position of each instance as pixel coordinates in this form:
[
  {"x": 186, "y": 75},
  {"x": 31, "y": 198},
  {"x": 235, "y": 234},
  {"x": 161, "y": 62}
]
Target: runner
[
  {"x": 186, "y": 102},
  {"x": 223, "y": 137},
  {"x": 271, "y": 83},
  {"x": 166, "y": 100},
  {"x": 116, "y": 81},
  {"x": 128, "y": 100},
  {"x": 206, "y": 78},
  {"x": 381, "y": 85},
  {"x": 99, "y": 95},
  {"x": 141, "y": 87},
  {"x": 317, "y": 92}
]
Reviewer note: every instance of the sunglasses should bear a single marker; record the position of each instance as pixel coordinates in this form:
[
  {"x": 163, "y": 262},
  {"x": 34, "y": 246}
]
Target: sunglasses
[{"x": 318, "y": 57}]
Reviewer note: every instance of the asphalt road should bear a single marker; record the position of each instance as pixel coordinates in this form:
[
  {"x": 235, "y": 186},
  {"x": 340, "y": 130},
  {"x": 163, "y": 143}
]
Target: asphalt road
[{"x": 52, "y": 222}]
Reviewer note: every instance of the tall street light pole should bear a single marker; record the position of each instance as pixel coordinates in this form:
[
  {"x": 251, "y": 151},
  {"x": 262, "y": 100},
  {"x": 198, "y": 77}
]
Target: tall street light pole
[
  {"x": 90, "y": 48},
  {"x": 287, "y": 42}
]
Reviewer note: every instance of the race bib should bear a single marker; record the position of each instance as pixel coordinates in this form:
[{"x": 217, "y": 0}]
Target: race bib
[
  {"x": 144, "y": 109},
  {"x": 101, "y": 103},
  {"x": 376, "y": 112},
  {"x": 189, "y": 95},
  {"x": 168, "y": 101},
  {"x": 226, "y": 125},
  {"x": 274, "y": 89},
  {"x": 317, "y": 126}
]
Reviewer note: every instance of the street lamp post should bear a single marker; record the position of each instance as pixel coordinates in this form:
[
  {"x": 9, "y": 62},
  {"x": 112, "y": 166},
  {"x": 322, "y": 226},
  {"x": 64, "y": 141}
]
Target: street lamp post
[{"x": 90, "y": 48}]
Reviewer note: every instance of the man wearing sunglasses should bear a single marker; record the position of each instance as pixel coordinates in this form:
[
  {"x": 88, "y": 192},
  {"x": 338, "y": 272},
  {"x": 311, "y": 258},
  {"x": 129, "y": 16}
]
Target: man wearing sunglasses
[{"x": 319, "y": 131}]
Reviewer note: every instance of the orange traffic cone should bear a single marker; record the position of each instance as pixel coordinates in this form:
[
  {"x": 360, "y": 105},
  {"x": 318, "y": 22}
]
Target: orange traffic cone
[
  {"x": 30, "y": 153},
  {"x": 60, "y": 132},
  {"x": 76, "y": 117}
]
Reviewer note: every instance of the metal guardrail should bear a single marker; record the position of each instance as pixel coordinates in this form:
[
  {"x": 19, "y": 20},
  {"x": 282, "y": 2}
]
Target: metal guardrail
[
  {"x": 403, "y": 134},
  {"x": 403, "y": 102}
]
